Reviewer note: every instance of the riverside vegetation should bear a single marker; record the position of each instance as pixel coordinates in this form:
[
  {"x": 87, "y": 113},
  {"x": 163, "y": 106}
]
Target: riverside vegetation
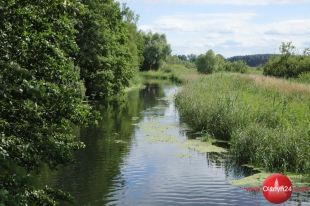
[
  {"x": 266, "y": 120},
  {"x": 56, "y": 56}
]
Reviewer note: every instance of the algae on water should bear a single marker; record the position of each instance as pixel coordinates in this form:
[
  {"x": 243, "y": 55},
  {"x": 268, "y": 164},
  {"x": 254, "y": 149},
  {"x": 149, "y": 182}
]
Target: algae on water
[
  {"x": 157, "y": 131},
  {"x": 257, "y": 180},
  {"x": 202, "y": 147},
  {"x": 166, "y": 139}
]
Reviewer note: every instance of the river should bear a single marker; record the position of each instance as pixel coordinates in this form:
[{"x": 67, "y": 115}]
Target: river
[{"x": 135, "y": 157}]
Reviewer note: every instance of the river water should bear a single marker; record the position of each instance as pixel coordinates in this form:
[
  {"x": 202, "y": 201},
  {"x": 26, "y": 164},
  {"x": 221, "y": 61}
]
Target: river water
[{"x": 135, "y": 157}]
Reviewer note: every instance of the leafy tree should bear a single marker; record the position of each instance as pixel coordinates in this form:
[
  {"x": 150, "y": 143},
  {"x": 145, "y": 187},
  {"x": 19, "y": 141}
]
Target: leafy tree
[
  {"x": 105, "y": 58},
  {"x": 221, "y": 62},
  {"x": 41, "y": 95},
  {"x": 192, "y": 58},
  {"x": 135, "y": 38},
  {"x": 156, "y": 50},
  {"x": 287, "y": 49},
  {"x": 207, "y": 63},
  {"x": 182, "y": 57},
  {"x": 288, "y": 64}
]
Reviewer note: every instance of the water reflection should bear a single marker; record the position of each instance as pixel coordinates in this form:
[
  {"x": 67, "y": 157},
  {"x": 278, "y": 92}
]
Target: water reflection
[{"x": 121, "y": 167}]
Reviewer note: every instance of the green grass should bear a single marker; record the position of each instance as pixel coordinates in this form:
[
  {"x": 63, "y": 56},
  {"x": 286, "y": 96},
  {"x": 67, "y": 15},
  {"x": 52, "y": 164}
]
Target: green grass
[
  {"x": 175, "y": 72},
  {"x": 266, "y": 120}
]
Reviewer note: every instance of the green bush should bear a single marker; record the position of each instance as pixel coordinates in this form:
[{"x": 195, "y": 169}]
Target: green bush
[
  {"x": 236, "y": 66},
  {"x": 304, "y": 77},
  {"x": 207, "y": 63},
  {"x": 287, "y": 64}
]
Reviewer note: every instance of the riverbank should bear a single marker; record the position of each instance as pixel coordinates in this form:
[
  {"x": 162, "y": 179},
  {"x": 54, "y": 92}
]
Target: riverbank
[
  {"x": 175, "y": 72},
  {"x": 265, "y": 120}
]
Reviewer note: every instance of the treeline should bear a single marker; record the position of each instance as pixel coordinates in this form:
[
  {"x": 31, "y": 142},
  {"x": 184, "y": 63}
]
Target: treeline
[
  {"x": 253, "y": 60},
  {"x": 54, "y": 56},
  {"x": 289, "y": 64},
  {"x": 211, "y": 62}
]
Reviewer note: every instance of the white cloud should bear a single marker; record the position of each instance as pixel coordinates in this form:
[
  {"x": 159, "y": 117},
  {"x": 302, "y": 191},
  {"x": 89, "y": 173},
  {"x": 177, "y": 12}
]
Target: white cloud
[{"x": 228, "y": 33}]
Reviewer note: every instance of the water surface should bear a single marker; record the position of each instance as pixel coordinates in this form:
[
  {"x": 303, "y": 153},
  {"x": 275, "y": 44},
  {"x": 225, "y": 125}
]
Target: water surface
[{"x": 135, "y": 157}]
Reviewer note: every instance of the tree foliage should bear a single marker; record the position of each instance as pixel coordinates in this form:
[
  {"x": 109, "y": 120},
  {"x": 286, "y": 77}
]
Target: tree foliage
[
  {"x": 253, "y": 60},
  {"x": 288, "y": 64},
  {"x": 107, "y": 53},
  {"x": 211, "y": 62},
  {"x": 156, "y": 50},
  {"x": 236, "y": 66},
  {"x": 48, "y": 50},
  {"x": 207, "y": 63},
  {"x": 41, "y": 94}
]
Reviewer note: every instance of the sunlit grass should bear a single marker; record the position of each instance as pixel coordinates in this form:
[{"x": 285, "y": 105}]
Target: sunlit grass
[
  {"x": 267, "y": 120},
  {"x": 175, "y": 72}
]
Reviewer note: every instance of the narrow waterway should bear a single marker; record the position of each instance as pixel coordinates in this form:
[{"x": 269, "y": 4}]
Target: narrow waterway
[{"x": 136, "y": 156}]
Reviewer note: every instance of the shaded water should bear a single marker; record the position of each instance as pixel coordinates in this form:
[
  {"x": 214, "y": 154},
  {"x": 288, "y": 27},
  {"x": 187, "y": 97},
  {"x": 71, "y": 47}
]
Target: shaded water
[{"x": 135, "y": 157}]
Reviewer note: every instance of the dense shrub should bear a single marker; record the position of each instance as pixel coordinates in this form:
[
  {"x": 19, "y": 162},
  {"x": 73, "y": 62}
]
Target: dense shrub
[
  {"x": 304, "y": 77},
  {"x": 210, "y": 62},
  {"x": 207, "y": 63},
  {"x": 236, "y": 66},
  {"x": 288, "y": 64}
]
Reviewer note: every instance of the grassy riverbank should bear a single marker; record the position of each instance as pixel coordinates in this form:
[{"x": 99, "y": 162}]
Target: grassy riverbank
[
  {"x": 174, "y": 72},
  {"x": 266, "y": 120}
]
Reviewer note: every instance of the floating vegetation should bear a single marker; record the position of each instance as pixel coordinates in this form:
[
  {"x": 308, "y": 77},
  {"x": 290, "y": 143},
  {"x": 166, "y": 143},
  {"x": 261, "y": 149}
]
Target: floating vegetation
[
  {"x": 169, "y": 97},
  {"x": 257, "y": 180},
  {"x": 156, "y": 132},
  {"x": 166, "y": 139},
  {"x": 154, "y": 127},
  {"x": 202, "y": 147}
]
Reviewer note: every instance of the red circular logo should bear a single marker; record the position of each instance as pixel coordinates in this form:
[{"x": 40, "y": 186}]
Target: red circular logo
[{"x": 277, "y": 188}]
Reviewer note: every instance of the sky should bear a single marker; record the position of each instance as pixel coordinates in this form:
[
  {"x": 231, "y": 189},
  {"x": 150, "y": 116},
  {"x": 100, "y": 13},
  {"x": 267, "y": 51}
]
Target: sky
[{"x": 229, "y": 27}]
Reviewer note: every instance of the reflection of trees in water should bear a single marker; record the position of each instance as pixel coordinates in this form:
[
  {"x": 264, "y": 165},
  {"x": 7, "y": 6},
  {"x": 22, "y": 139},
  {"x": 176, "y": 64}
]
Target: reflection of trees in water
[
  {"x": 97, "y": 166},
  {"x": 150, "y": 94}
]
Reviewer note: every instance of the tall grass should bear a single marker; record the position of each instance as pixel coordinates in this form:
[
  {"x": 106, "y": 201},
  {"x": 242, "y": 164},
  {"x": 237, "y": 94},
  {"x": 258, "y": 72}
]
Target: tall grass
[
  {"x": 176, "y": 72},
  {"x": 266, "y": 121}
]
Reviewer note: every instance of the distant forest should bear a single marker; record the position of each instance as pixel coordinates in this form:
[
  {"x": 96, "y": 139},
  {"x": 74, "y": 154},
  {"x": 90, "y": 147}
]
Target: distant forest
[{"x": 253, "y": 60}]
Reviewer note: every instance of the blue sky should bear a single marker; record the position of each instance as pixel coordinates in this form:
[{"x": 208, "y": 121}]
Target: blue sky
[{"x": 229, "y": 27}]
